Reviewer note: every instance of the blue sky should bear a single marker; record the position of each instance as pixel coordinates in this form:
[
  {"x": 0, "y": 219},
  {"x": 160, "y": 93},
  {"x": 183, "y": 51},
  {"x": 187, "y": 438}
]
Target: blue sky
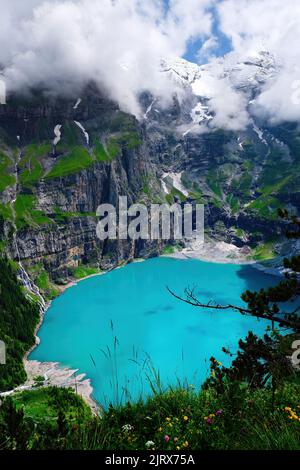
[{"x": 224, "y": 44}]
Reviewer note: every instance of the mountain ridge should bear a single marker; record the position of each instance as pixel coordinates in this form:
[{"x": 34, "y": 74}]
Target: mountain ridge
[{"x": 61, "y": 158}]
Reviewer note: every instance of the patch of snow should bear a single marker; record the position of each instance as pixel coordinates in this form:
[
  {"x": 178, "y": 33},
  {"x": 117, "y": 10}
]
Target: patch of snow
[
  {"x": 260, "y": 134},
  {"x": 200, "y": 79},
  {"x": 240, "y": 144},
  {"x": 200, "y": 114},
  {"x": 180, "y": 71},
  {"x": 57, "y": 133},
  {"x": 175, "y": 181},
  {"x": 149, "y": 109},
  {"x": 77, "y": 103},
  {"x": 86, "y": 135},
  {"x": 164, "y": 186}
]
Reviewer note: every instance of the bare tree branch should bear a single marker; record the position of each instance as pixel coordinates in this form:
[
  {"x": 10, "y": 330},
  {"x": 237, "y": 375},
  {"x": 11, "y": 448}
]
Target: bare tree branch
[{"x": 191, "y": 299}]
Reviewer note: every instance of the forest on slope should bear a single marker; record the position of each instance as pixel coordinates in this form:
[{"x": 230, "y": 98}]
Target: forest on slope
[{"x": 19, "y": 315}]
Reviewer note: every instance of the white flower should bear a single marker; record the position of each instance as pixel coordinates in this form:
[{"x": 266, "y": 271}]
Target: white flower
[
  {"x": 127, "y": 428},
  {"x": 149, "y": 444}
]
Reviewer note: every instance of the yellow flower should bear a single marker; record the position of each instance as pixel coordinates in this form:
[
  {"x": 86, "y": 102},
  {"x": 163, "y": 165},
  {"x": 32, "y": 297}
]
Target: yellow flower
[
  {"x": 160, "y": 429},
  {"x": 177, "y": 447},
  {"x": 186, "y": 418},
  {"x": 186, "y": 444},
  {"x": 168, "y": 419}
]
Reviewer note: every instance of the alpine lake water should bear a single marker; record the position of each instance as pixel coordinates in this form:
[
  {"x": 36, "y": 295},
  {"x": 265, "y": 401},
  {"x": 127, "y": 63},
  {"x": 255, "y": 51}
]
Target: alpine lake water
[{"x": 124, "y": 329}]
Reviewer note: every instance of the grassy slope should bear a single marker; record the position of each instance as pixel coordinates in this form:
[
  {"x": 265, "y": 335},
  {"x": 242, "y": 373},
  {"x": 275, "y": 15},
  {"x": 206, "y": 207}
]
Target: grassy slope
[
  {"x": 31, "y": 169},
  {"x": 6, "y": 179},
  {"x": 180, "y": 419},
  {"x": 78, "y": 159},
  {"x": 26, "y": 214}
]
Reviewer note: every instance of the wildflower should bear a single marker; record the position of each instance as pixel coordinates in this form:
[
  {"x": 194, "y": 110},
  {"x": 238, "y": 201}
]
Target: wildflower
[
  {"x": 186, "y": 444},
  {"x": 127, "y": 428},
  {"x": 168, "y": 419},
  {"x": 175, "y": 440},
  {"x": 160, "y": 429},
  {"x": 177, "y": 447},
  {"x": 209, "y": 421},
  {"x": 186, "y": 418},
  {"x": 167, "y": 438},
  {"x": 149, "y": 444},
  {"x": 219, "y": 412},
  {"x": 292, "y": 414}
]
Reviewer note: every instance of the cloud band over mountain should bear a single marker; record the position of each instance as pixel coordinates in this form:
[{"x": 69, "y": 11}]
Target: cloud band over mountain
[{"x": 63, "y": 44}]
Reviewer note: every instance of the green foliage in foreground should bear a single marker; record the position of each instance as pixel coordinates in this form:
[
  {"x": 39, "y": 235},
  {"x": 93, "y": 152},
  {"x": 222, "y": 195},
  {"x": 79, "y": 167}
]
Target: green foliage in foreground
[
  {"x": 18, "y": 319},
  {"x": 41, "y": 419},
  {"x": 177, "y": 419}
]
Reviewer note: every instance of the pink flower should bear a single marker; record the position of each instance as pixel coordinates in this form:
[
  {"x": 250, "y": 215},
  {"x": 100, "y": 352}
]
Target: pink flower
[
  {"x": 167, "y": 438},
  {"x": 209, "y": 421},
  {"x": 219, "y": 412}
]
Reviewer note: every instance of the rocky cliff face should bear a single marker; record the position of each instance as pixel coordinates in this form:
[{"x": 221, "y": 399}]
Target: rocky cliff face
[
  {"x": 53, "y": 182},
  {"x": 60, "y": 158}
]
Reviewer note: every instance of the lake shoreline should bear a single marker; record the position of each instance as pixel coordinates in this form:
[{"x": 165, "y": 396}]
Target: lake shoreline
[
  {"x": 59, "y": 375},
  {"x": 215, "y": 252},
  {"x": 55, "y": 374}
]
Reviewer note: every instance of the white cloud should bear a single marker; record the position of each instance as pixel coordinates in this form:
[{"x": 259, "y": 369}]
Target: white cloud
[
  {"x": 271, "y": 25},
  {"x": 207, "y": 49},
  {"x": 227, "y": 106},
  {"x": 64, "y": 44}
]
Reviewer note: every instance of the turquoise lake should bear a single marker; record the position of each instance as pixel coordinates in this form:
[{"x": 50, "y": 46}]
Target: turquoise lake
[{"x": 118, "y": 326}]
